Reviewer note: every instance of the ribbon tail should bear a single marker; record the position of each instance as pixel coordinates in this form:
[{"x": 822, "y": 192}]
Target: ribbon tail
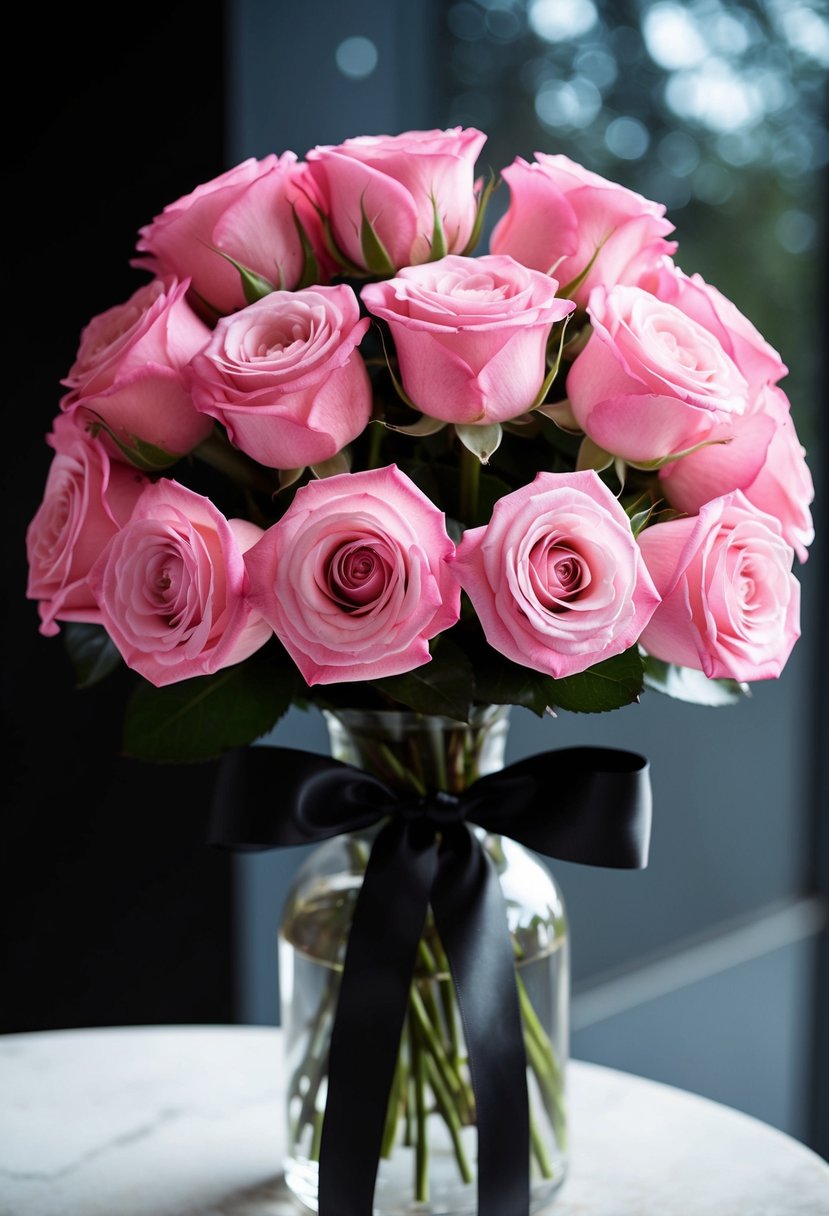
[
  {"x": 389, "y": 918},
  {"x": 471, "y": 918}
]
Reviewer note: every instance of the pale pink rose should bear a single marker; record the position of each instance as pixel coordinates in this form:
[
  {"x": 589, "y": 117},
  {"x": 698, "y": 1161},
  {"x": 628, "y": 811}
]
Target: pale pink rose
[
  {"x": 86, "y": 500},
  {"x": 730, "y": 603},
  {"x": 764, "y": 458},
  {"x": 249, "y": 214},
  {"x": 171, "y": 587},
  {"x": 651, "y": 382},
  {"x": 354, "y": 579},
  {"x": 470, "y": 334},
  {"x": 128, "y": 373},
  {"x": 399, "y": 183},
  {"x": 561, "y": 217},
  {"x": 556, "y": 577},
  {"x": 285, "y": 378},
  {"x": 759, "y": 362}
]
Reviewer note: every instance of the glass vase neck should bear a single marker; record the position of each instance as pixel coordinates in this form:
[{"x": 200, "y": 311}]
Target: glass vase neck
[{"x": 420, "y": 752}]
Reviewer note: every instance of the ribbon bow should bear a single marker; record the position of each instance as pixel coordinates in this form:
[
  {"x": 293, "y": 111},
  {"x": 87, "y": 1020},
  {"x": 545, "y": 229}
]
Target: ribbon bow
[{"x": 584, "y": 804}]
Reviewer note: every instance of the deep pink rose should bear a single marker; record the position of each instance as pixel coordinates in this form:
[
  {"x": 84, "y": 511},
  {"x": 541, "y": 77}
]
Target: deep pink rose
[
  {"x": 556, "y": 577},
  {"x": 561, "y": 217},
  {"x": 651, "y": 382},
  {"x": 759, "y": 362},
  {"x": 354, "y": 578},
  {"x": 399, "y": 183},
  {"x": 285, "y": 378},
  {"x": 86, "y": 500},
  {"x": 171, "y": 587},
  {"x": 730, "y": 603},
  {"x": 764, "y": 458},
  {"x": 470, "y": 334},
  {"x": 247, "y": 213},
  {"x": 128, "y": 371}
]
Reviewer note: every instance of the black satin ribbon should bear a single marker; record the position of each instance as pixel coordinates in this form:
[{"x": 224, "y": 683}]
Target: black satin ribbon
[{"x": 589, "y": 805}]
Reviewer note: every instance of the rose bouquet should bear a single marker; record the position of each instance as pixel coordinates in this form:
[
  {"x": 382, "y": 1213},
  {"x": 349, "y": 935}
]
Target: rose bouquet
[{"x": 331, "y": 454}]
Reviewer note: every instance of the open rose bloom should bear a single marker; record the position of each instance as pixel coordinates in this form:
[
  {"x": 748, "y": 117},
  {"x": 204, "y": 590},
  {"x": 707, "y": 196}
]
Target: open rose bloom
[{"x": 333, "y": 446}]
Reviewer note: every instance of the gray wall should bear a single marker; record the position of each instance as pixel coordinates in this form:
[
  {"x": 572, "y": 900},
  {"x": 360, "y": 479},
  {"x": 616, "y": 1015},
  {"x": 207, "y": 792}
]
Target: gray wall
[{"x": 699, "y": 971}]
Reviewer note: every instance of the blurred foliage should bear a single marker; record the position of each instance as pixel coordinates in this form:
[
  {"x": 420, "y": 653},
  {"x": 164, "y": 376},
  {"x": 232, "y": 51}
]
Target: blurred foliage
[{"x": 715, "y": 109}]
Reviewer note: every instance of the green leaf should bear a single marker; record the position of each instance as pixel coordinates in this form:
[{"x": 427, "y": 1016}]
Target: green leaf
[
  {"x": 639, "y": 519},
  {"x": 591, "y": 456},
  {"x": 561, "y": 413},
  {"x": 501, "y": 682},
  {"x": 608, "y": 685},
  {"x": 442, "y": 686},
  {"x": 439, "y": 249},
  {"x": 310, "y": 265},
  {"x": 335, "y": 465},
  {"x": 649, "y": 466},
  {"x": 480, "y": 212},
  {"x": 196, "y": 720},
  {"x": 424, "y": 426},
  {"x": 374, "y": 252},
  {"x": 569, "y": 289},
  {"x": 255, "y": 286},
  {"x": 91, "y": 651},
  {"x": 554, "y": 366},
  {"x": 688, "y": 684},
  {"x": 289, "y": 477},
  {"x": 482, "y": 440}
]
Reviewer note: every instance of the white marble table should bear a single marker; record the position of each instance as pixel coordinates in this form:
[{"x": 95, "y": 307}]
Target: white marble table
[{"x": 186, "y": 1121}]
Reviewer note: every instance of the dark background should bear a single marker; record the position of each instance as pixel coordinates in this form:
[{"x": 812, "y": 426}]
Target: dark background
[{"x": 112, "y": 911}]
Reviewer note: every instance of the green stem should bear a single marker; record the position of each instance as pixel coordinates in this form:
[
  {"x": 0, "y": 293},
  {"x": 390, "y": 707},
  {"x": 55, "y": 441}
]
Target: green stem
[
  {"x": 422, "y": 1134},
  {"x": 408, "y": 1113},
  {"x": 542, "y": 1059},
  {"x": 316, "y": 1139},
  {"x": 391, "y": 764},
  {"x": 375, "y": 441},
  {"x": 446, "y": 989},
  {"x": 449, "y": 1112},
  {"x": 314, "y": 1073},
  {"x": 470, "y": 479},
  {"x": 551, "y": 1095},
  {"x": 534, "y": 1028},
  {"x": 429, "y": 965},
  {"x": 540, "y": 1150},
  {"x": 398, "y": 1087},
  {"x": 452, "y": 1078}
]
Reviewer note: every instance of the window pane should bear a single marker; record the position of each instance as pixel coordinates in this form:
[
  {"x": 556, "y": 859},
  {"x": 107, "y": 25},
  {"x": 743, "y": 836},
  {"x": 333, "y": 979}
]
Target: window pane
[{"x": 714, "y": 109}]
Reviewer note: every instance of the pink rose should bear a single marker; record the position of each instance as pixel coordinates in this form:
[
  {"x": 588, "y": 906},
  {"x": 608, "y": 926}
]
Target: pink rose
[
  {"x": 470, "y": 334},
  {"x": 759, "y": 363},
  {"x": 402, "y": 186},
  {"x": 561, "y": 217},
  {"x": 730, "y": 603},
  {"x": 171, "y": 587},
  {"x": 248, "y": 213},
  {"x": 556, "y": 577},
  {"x": 128, "y": 371},
  {"x": 651, "y": 382},
  {"x": 86, "y": 500},
  {"x": 764, "y": 458},
  {"x": 284, "y": 376},
  {"x": 354, "y": 578}
]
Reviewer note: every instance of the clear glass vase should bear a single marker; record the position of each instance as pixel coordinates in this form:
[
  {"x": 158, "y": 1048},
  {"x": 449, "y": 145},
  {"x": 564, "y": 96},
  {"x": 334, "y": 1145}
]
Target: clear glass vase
[{"x": 428, "y": 1162}]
